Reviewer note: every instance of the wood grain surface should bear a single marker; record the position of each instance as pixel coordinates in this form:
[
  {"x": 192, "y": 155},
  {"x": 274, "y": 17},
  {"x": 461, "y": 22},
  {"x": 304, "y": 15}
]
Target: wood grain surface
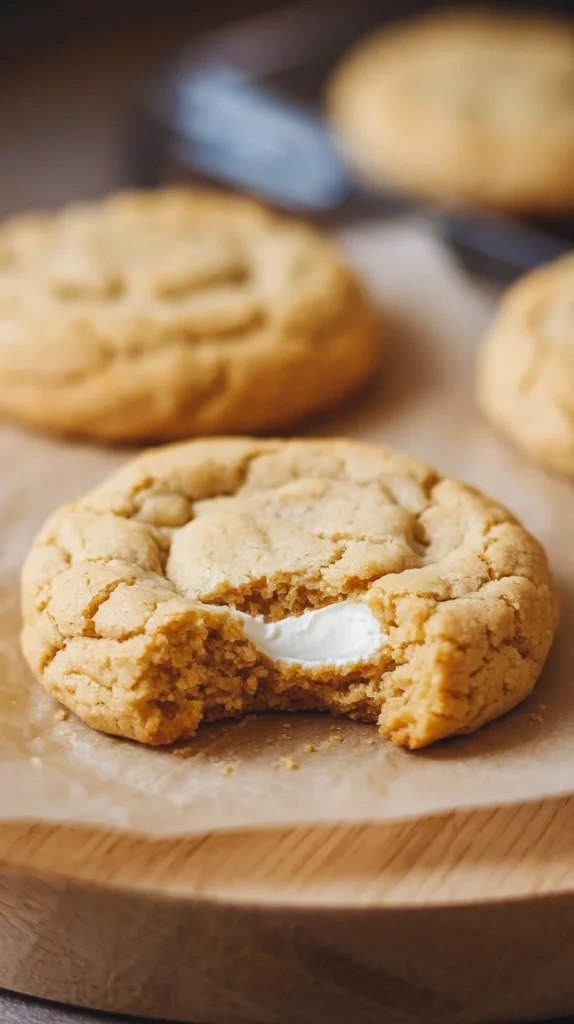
[
  {"x": 466, "y": 918},
  {"x": 506, "y": 853}
]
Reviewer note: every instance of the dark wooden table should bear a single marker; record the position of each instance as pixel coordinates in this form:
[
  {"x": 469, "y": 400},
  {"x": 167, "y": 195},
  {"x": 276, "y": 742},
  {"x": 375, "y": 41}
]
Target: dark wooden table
[{"x": 69, "y": 77}]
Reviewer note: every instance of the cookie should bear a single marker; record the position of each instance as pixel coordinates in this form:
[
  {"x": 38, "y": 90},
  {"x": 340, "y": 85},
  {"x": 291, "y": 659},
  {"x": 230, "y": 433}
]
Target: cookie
[
  {"x": 163, "y": 315},
  {"x": 526, "y": 366},
  {"x": 214, "y": 578},
  {"x": 464, "y": 103}
]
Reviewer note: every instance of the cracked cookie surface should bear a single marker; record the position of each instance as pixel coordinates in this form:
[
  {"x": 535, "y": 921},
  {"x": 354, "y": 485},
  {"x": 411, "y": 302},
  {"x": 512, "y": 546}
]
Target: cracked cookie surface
[
  {"x": 526, "y": 366},
  {"x": 131, "y": 595},
  {"x": 168, "y": 314},
  {"x": 464, "y": 103}
]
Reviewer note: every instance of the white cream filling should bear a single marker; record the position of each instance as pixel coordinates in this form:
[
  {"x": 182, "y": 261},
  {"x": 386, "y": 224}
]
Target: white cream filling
[{"x": 340, "y": 634}]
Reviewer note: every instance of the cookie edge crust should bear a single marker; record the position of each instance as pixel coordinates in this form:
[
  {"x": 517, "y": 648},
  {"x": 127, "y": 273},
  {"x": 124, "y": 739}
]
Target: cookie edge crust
[
  {"x": 250, "y": 387},
  {"x": 375, "y": 158},
  {"x": 446, "y": 666},
  {"x": 505, "y": 386}
]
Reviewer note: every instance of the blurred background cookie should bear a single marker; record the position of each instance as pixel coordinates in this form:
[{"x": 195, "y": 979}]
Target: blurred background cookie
[
  {"x": 464, "y": 103},
  {"x": 175, "y": 313},
  {"x": 526, "y": 366}
]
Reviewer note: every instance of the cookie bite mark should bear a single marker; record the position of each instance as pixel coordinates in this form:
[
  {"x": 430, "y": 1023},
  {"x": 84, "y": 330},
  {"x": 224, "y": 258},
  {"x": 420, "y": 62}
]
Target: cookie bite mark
[
  {"x": 217, "y": 578},
  {"x": 287, "y": 548}
]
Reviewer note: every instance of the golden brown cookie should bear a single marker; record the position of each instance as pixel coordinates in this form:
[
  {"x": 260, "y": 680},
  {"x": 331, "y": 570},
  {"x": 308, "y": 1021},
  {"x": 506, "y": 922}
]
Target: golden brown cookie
[
  {"x": 215, "y": 578},
  {"x": 167, "y": 314},
  {"x": 464, "y": 103},
  {"x": 526, "y": 365}
]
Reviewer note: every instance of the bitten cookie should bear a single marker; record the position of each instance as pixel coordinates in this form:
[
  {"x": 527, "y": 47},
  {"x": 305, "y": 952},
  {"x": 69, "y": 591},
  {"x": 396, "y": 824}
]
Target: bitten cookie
[
  {"x": 168, "y": 314},
  {"x": 464, "y": 103},
  {"x": 215, "y": 578},
  {"x": 526, "y": 365}
]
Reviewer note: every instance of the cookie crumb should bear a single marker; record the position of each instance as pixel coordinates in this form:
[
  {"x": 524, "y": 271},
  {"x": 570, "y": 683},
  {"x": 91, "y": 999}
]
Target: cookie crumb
[
  {"x": 336, "y": 737},
  {"x": 62, "y": 715},
  {"x": 289, "y": 763},
  {"x": 186, "y": 752},
  {"x": 368, "y": 742},
  {"x": 309, "y": 748},
  {"x": 227, "y": 769},
  {"x": 286, "y": 725},
  {"x": 535, "y": 717}
]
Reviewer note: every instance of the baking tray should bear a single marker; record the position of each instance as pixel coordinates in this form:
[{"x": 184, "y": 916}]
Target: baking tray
[{"x": 241, "y": 108}]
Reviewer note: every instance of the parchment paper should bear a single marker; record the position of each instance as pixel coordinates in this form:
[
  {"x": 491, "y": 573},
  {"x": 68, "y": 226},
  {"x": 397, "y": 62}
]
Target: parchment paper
[{"x": 258, "y": 772}]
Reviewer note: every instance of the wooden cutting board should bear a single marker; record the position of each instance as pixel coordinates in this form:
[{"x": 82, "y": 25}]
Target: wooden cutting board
[{"x": 463, "y": 918}]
